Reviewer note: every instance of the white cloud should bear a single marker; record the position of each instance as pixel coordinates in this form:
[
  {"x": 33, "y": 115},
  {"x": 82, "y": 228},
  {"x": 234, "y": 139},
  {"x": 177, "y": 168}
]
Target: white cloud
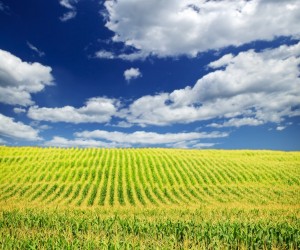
[
  {"x": 97, "y": 110},
  {"x": 148, "y": 138},
  {"x": 280, "y": 128},
  {"x": 70, "y": 5},
  {"x": 18, "y": 79},
  {"x": 122, "y": 124},
  {"x": 35, "y": 49},
  {"x": 68, "y": 16},
  {"x": 38, "y": 126},
  {"x": 204, "y": 145},
  {"x": 238, "y": 122},
  {"x": 105, "y": 54},
  {"x": 223, "y": 61},
  {"x": 15, "y": 95},
  {"x": 17, "y": 130},
  {"x": 19, "y": 110},
  {"x": 251, "y": 88},
  {"x": 58, "y": 141},
  {"x": 176, "y": 27},
  {"x": 260, "y": 87},
  {"x": 134, "y": 139},
  {"x": 132, "y": 73},
  {"x": 101, "y": 138},
  {"x": 44, "y": 127},
  {"x": 140, "y": 55},
  {"x": 192, "y": 144}
]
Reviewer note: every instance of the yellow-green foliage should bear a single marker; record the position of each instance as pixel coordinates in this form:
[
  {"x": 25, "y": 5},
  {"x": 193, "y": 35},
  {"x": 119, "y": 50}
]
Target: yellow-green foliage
[
  {"x": 148, "y": 198},
  {"x": 147, "y": 177}
]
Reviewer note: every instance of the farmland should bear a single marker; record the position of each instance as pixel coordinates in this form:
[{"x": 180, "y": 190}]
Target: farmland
[{"x": 148, "y": 198}]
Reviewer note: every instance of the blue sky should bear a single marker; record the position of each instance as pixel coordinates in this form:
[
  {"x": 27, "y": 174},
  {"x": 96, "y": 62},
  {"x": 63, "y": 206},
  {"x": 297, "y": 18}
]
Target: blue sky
[{"x": 132, "y": 73}]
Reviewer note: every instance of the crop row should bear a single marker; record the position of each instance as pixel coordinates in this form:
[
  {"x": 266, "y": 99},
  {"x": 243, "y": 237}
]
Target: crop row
[{"x": 148, "y": 177}]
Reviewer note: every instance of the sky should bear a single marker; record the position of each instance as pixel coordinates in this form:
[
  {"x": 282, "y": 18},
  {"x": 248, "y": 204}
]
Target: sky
[{"x": 131, "y": 73}]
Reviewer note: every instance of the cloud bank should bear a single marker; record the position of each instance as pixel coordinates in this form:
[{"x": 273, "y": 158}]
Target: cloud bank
[
  {"x": 250, "y": 88},
  {"x": 176, "y": 27},
  {"x": 102, "y": 138},
  {"x": 258, "y": 87}
]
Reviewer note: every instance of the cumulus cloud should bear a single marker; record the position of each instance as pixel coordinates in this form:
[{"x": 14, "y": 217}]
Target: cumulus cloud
[
  {"x": 148, "y": 138},
  {"x": 261, "y": 87},
  {"x": 17, "y": 130},
  {"x": 132, "y": 73},
  {"x": 176, "y": 27},
  {"x": 250, "y": 88},
  {"x": 35, "y": 49},
  {"x": 18, "y": 79},
  {"x": 70, "y": 5},
  {"x": 97, "y": 110}
]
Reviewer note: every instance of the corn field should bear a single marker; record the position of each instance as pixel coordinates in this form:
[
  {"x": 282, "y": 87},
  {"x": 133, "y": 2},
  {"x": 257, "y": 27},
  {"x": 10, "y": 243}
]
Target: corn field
[{"x": 53, "y": 198}]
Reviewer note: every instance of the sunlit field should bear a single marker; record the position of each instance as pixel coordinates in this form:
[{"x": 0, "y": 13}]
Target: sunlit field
[{"x": 52, "y": 198}]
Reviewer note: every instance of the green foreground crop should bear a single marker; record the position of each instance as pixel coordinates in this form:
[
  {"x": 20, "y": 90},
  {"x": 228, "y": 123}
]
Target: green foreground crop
[{"x": 55, "y": 198}]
